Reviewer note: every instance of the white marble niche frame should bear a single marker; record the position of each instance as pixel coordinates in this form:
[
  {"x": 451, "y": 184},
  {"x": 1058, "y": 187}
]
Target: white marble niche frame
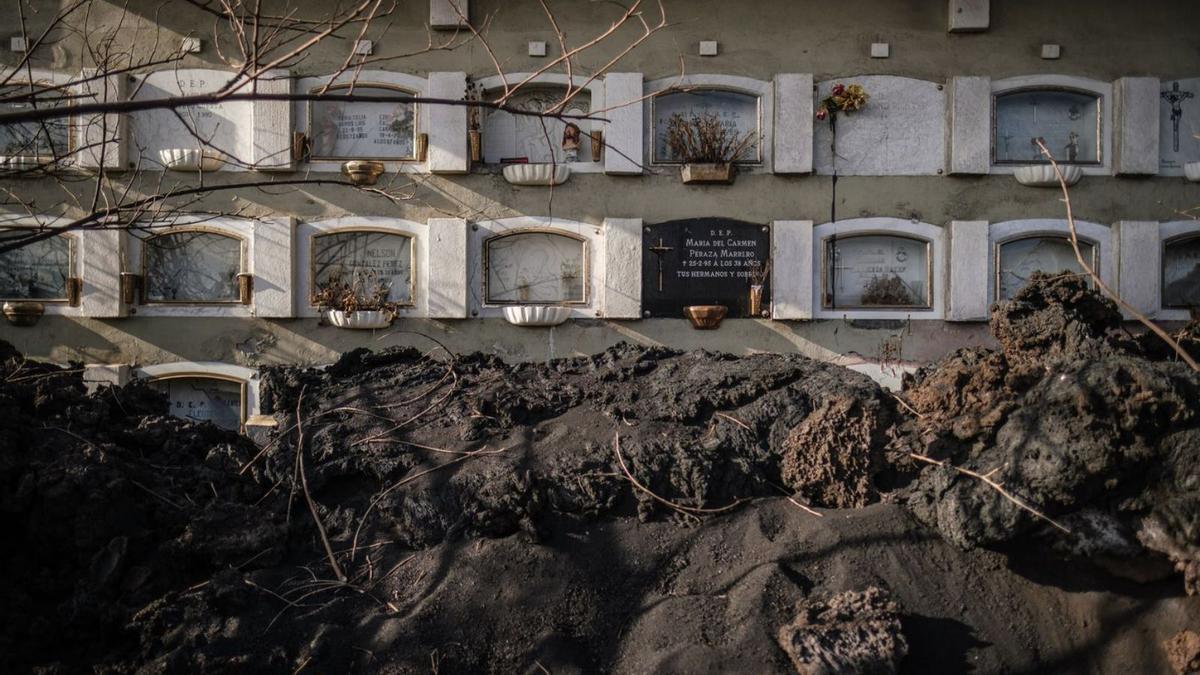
[
  {"x": 402, "y": 83},
  {"x": 236, "y": 228},
  {"x": 57, "y": 80},
  {"x": 932, "y": 235},
  {"x": 590, "y": 236},
  {"x": 214, "y": 370},
  {"x": 1168, "y": 233},
  {"x": 418, "y": 234},
  {"x": 764, "y": 90},
  {"x": 494, "y": 85},
  {"x": 76, "y": 265},
  {"x": 158, "y": 129},
  {"x": 900, "y": 132},
  {"x": 1099, "y": 236},
  {"x": 1069, "y": 83}
]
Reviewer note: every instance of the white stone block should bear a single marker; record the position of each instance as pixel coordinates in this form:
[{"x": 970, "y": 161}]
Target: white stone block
[
  {"x": 537, "y": 48},
  {"x": 709, "y": 48},
  {"x": 102, "y": 138},
  {"x": 273, "y": 267},
  {"x": 623, "y": 134},
  {"x": 1139, "y": 266},
  {"x": 968, "y": 282},
  {"x": 793, "y": 133},
  {"x": 1051, "y": 51},
  {"x": 623, "y": 268},
  {"x": 970, "y": 125},
  {"x": 96, "y": 375},
  {"x": 18, "y": 44},
  {"x": 880, "y": 50},
  {"x": 791, "y": 269},
  {"x": 272, "y": 137},
  {"x": 364, "y": 47},
  {"x": 967, "y": 16},
  {"x": 449, "y": 14},
  {"x": 898, "y": 133},
  {"x": 191, "y": 45},
  {"x": 447, "y": 268},
  {"x": 102, "y": 254},
  {"x": 447, "y": 125},
  {"x": 1136, "y": 131}
]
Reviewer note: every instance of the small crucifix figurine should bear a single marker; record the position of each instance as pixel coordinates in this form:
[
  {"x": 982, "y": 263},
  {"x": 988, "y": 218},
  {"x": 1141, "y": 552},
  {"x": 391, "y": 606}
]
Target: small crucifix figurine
[
  {"x": 1176, "y": 97},
  {"x": 660, "y": 250}
]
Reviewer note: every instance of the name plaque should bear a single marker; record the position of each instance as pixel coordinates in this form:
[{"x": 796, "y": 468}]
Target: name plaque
[{"x": 705, "y": 261}]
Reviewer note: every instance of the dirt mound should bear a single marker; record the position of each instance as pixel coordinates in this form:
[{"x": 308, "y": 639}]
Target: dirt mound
[
  {"x": 1183, "y": 652},
  {"x": 853, "y": 632}
]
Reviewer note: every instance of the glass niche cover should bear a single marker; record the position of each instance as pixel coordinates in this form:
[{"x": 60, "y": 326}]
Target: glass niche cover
[
  {"x": 192, "y": 266},
  {"x": 1068, "y": 122},
  {"x": 877, "y": 271},
  {"x": 737, "y": 112},
  {"x": 1018, "y": 260},
  {"x": 540, "y": 268},
  {"x": 520, "y": 139},
  {"x": 384, "y": 257},
  {"x": 36, "y": 271},
  {"x": 204, "y": 399},
  {"x": 43, "y": 140},
  {"x": 1181, "y": 273},
  {"x": 342, "y": 130}
]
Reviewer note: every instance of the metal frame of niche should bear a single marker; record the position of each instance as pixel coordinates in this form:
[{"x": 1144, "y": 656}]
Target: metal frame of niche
[
  {"x": 923, "y": 233},
  {"x": 417, "y": 119},
  {"x": 998, "y": 245},
  {"x": 46, "y": 79},
  {"x": 402, "y": 82},
  {"x": 243, "y": 254},
  {"x": 1099, "y": 235},
  {"x": 1103, "y": 91},
  {"x": 73, "y": 268},
  {"x": 595, "y": 88},
  {"x": 1173, "y": 232},
  {"x": 828, "y": 272},
  {"x": 212, "y": 370},
  {"x": 351, "y": 229},
  {"x": 586, "y": 271},
  {"x": 761, "y": 90}
]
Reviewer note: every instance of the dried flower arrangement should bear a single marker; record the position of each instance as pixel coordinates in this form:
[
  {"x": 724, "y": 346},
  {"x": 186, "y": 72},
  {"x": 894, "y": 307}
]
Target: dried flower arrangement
[
  {"x": 703, "y": 139},
  {"x": 843, "y": 98},
  {"x": 364, "y": 292}
]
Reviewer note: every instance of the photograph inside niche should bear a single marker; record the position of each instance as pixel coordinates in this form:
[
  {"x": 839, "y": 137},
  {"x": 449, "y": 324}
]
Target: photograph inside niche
[
  {"x": 342, "y": 130},
  {"x": 1017, "y": 260},
  {"x": 736, "y": 111},
  {"x": 1067, "y": 121},
  {"x": 37, "y": 271},
  {"x": 34, "y": 142},
  {"x": 527, "y": 139},
  {"x": 204, "y": 399},
  {"x": 192, "y": 266},
  {"x": 535, "y": 268},
  {"x": 386, "y": 256},
  {"x": 877, "y": 271},
  {"x": 1181, "y": 273}
]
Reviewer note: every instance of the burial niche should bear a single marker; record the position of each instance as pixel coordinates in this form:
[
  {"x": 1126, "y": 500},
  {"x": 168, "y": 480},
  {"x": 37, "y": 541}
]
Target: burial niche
[
  {"x": 25, "y": 144},
  {"x": 366, "y": 257},
  {"x": 535, "y": 268},
  {"x": 706, "y": 261},
  {"x": 205, "y": 399},
  {"x": 1181, "y": 273},
  {"x": 192, "y": 266},
  {"x": 877, "y": 271},
  {"x": 1018, "y": 259},
  {"x": 341, "y": 130},
  {"x": 736, "y": 111},
  {"x": 38, "y": 271},
  {"x": 510, "y": 138},
  {"x": 1067, "y": 121}
]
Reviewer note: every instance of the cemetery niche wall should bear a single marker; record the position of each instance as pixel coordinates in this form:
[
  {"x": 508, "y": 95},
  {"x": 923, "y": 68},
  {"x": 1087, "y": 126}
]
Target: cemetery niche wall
[
  {"x": 43, "y": 271},
  {"x": 876, "y": 271},
  {"x": 209, "y": 136},
  {"x": 706, "y": 261},
  {"x": 367, "y": 257},
  {"x": 1179, "y": 125},
  {"x": 27, "y": 145},
  {"x": 1017, "y": 260},
  {"x": 509, "y": 138},
  {"x": 1068, "y": 122},
  {"x": 205, "y": 398},
  {"x": 192, "y": 266},
  {"x": 342, "y": 130},
  {"x": 736, "y": 103},
  {"x": 535, "y": 267},
  {"x": 1181, "y": 272}
]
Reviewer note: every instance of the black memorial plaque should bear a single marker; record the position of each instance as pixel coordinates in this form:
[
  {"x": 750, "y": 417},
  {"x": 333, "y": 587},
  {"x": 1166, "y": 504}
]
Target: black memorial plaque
[{"x": 703, "y": 261}]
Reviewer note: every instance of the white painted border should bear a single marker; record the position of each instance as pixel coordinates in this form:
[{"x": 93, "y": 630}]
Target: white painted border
[
  {"x": 305, "y": 231},
  {"x": 25, "y": 221},
  {"x": 898, "y": 226},
  {"x": 418, "y": 85},
  {"x": 1103, "y": 89},
  {"x": 1095, "y": 233},
  {"x": 592, "y": 234},
  {"x": 595, "y": 90},
  {"x": 168, "y": 80},
  {"x": 1170, "y": 230},
  {"x": 241, "y": 228},
  {"x": 248, "y": 376},
  {"x": 763, "y": 89}
]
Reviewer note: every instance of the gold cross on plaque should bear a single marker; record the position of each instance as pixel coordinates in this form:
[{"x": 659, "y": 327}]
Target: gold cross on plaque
[{"x": 659, "y": 251}]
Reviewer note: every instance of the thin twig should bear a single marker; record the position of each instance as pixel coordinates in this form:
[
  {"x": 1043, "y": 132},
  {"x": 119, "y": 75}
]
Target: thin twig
[
  {"x": 986, "y": 479},
  {"x": 312, "y": 506},
  {"x": 686, "y": 510}
]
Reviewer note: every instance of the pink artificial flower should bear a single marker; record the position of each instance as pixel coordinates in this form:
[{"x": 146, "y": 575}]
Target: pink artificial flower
[
  {"x": 822, "y": 114},
  {"x": 839, "y": 89}
]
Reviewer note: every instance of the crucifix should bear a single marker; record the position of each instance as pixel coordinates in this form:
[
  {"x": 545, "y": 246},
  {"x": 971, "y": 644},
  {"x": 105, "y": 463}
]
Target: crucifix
[
  {"x": 659, "y": 251},
  {"x": 1176, "y": 97}
]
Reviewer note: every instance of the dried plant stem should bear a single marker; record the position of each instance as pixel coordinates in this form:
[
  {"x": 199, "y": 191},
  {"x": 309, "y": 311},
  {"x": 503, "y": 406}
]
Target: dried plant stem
[
  {"x": 312, "y": 506},
  {"x": 1183, "y": 354},
  {"x": 686, "y": 510}
]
